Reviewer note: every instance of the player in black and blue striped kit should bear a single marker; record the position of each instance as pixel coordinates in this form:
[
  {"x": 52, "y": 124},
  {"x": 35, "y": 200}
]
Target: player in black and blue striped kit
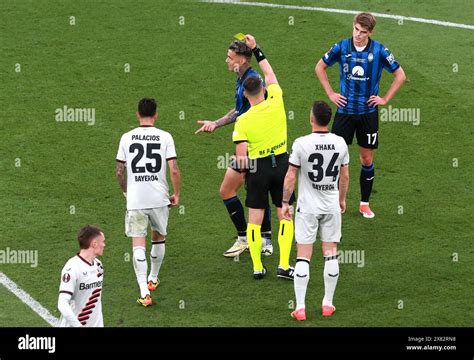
[
  {"x": 361, "y": 61},
  {"x": 238, "y": 60}
]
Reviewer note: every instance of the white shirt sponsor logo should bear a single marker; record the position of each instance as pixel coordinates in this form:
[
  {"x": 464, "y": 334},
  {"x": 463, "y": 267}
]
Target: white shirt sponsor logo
[
  {"x": 357, "y": 74},
  {"x": 358, "y": 71}
]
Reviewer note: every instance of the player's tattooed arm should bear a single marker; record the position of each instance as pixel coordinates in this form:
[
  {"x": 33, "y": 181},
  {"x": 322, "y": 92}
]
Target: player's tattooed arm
[
  {"x": 227, "y": 119},
  {"x": 288, "y": 188},
  {"x": 289, "y": 185},
  {"x": 210, "y": 126},
  {"x": 120, "y": 174}
]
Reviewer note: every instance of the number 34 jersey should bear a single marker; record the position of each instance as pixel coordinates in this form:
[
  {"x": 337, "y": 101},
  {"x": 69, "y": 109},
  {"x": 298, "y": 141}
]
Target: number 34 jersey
[
  {"x": 319, "y": 157},
  {"x": 146, "y": 151}
]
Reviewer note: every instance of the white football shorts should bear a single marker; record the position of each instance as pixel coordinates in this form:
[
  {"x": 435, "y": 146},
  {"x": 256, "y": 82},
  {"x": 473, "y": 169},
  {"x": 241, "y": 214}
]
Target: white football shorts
[
  {"x": 136, "y": 221},
  {"x": 307, "y": 225}
]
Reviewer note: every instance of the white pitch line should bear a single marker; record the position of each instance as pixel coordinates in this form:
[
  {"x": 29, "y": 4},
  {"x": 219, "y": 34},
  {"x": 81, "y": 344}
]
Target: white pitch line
[
  {"x": 340, "y": 11},
  {"x": 27, "y": 299}
]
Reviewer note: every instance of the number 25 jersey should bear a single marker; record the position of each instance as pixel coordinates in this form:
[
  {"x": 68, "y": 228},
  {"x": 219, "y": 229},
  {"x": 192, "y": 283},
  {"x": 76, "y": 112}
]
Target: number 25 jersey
[{"x": 146, "y": 151}]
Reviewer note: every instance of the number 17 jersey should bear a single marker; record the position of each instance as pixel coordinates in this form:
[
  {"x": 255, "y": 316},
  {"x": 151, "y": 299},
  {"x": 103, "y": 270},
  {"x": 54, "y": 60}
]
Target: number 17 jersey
[
  {"x": 319, "y": 157},
  {"x": 146, "y": 151}
]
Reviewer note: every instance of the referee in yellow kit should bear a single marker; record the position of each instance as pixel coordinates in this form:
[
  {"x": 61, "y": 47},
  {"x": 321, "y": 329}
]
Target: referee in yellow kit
[{"x": 261, "y": 141}]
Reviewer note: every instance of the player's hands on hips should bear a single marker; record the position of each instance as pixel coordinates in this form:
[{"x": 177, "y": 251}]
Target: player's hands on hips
[
  {"x": 342, "y": 205},
  {"x": 174, "y": 200},
  {"x": 338, "y": 99},
  {"x": 250, "y": 41},
  {"x": 376, "y": 100},
  {"x": 285, "y": 210},
  {"x": 207, "y": 126}
]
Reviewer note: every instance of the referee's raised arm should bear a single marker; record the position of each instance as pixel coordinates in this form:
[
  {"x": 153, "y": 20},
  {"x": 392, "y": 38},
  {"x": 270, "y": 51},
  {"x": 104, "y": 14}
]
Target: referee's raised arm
[{"x": 270, "y": 77}]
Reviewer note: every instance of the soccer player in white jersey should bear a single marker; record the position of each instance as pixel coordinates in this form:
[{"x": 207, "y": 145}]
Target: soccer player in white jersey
[
  {"x": 321, "y": 162},
  {"x": 145, "y": 151},
  {"x": 81, "y": 282}
]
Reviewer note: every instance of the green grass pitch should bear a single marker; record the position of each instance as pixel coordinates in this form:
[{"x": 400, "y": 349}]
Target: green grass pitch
[{"x": 58, "y": 176}]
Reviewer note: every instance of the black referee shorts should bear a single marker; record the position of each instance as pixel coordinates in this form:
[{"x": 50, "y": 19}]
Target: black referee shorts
[
  {"x": 365, "y": 126},
  {"x": 233, "y": 164},
  {"x": 266, "y": 175}
]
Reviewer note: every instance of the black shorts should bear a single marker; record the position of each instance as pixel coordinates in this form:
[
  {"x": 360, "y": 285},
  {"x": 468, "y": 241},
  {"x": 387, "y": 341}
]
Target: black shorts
[
  {"x": 233, "y": 164},
  {"x": 266, "y": 176},
  {"x": 366, "y": 127}
]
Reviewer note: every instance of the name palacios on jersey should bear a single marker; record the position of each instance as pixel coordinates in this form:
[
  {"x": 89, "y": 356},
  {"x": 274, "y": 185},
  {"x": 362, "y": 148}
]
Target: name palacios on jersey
[{"x": 146, "y": 137}]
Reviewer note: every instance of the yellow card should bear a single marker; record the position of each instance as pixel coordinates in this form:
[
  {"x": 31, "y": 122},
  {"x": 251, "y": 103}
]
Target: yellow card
[{"x": 240, "y": 36}]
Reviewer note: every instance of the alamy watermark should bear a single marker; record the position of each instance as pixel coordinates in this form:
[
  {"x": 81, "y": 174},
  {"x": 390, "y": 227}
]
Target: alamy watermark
[
  {"x": 28, "y": 342},
  {"x": 228, "y": 160},
  {"x": 12, "y": 256},
  {"x": 391, "y": 114},
  {"x": 68, "y": 114},
  {"x": 351, "y": 257}
]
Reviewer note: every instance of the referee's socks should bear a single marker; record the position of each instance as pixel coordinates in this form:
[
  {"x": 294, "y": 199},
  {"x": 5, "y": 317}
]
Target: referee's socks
[
  {"x": 285, "y": 239},
  {"x": 254, "y": 239}
]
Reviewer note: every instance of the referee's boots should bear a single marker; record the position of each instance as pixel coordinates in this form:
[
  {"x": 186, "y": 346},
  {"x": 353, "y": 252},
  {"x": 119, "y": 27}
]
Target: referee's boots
[
  {"x": 286, "y": 274},
  {"x": 258, "y": 275}
]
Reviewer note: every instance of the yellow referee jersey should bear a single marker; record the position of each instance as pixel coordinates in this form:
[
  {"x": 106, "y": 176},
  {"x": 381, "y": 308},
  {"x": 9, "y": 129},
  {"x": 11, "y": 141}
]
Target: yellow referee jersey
[{"x": 263, "y": 126}]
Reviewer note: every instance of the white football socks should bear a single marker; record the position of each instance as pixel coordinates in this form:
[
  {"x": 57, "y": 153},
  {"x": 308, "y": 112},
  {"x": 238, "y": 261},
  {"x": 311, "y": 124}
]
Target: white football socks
[
  {"x": 156, "y": 258},
  {"x": 300, "y": 280},
  {"x": 140, "y": 265},
  {"x": 331, "y": 275}
]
